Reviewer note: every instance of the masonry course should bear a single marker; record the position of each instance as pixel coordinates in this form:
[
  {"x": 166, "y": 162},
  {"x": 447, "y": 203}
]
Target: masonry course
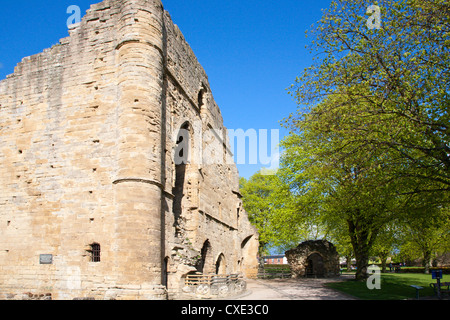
[{"x": 89, "y": 132}]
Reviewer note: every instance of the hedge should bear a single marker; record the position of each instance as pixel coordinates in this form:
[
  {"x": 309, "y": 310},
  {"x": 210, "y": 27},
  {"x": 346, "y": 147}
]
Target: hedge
[{"x": 445, "y": 270}]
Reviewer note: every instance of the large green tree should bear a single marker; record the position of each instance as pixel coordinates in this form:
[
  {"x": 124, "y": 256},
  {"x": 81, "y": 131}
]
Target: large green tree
[
  {"x": 256, "y": 195},
  {"x": 426, "y": 234},
  {"x": 372, "y": 128},
  {"x": 353, "y": 195},
  {"x": 392, "y": 84},
  {"x": 270, "y": 204},
  {"x": 387, "y": 241}
]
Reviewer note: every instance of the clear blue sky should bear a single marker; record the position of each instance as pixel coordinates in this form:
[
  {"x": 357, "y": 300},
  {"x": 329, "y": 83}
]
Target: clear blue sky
[{"x": 251, "y": 50}]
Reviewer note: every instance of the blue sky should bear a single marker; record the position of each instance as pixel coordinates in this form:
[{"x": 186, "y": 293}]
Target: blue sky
[{"x": 251, "y": 50}]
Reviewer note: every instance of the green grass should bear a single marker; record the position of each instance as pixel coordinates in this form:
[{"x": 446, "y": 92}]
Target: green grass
[{"x": 394, "y": 286}]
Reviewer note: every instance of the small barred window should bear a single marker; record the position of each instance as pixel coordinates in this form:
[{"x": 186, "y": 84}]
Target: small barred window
[{"x": 95, "y": 252}]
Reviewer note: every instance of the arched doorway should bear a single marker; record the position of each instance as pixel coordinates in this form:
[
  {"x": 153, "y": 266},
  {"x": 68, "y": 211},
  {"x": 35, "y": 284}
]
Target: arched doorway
[
  {"x": 206, "y": 263},
  {"x": 315, "y": 266},
  {"x": 245, "y": 250},
  {"x": 221, "y": 265}
]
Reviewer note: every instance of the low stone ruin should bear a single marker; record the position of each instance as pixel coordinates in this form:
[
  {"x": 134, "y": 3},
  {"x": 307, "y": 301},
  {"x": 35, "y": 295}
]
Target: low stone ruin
[{"x": 314, "y": 258}]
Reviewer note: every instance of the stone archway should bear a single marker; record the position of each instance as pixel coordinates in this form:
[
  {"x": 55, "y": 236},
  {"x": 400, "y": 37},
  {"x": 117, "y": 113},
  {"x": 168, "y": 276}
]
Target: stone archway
[
  {"x": 315, "y": 265},
  {"x": 249, "y": 253},
  {"x": 221, "y": 265},
  {"x": 316, "y": 258},
  {"x": 206, "y": 264}
]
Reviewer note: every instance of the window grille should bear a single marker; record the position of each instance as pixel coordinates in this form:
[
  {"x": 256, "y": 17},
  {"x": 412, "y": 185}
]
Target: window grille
[{"x": 95, "y": 252}]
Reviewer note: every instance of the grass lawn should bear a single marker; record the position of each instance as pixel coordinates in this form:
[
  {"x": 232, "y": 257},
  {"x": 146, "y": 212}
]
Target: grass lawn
[{"x": 394, "y": 286}]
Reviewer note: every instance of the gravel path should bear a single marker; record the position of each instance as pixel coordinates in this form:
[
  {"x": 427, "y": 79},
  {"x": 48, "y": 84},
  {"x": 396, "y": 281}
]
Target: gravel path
[{"x": 293, "y": 289}]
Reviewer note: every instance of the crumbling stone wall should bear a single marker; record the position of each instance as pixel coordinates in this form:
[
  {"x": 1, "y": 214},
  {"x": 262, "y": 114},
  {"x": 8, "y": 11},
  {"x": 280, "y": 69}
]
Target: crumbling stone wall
[
  {"x": 88, "y": 143},
  {"x": 316, "y": 258}
]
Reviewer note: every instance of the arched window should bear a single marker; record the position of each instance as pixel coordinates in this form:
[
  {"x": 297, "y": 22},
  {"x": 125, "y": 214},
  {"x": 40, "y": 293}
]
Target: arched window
[
  {"x": 201, "y": 97},
  {"x": 182, "y": 153},
  {"x": 183, "y": 144},
  {"x": 165, "y": 272}
]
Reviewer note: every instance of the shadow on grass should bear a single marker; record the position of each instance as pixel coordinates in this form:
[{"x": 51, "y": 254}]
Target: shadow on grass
[{"x": 393, "y": 287}]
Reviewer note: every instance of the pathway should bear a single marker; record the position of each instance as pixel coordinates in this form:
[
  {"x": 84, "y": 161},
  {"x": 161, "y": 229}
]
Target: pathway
[{"x": 293, "y": 289}]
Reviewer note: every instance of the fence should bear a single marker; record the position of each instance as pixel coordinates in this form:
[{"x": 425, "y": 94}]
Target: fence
[
  {"x": 274, "y": 272},
  {"x": 207, "y": 285}
]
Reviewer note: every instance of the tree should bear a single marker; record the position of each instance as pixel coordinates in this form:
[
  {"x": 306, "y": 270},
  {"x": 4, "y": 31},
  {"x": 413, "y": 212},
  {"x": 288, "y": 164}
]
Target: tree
[
  {"x": 373, "y": 124},
  {"x": 396, "y": 79},
  {"x": 338, "y": 235},
  {"x": 257, "y": 194},
  {"x": 386, "y": 242},
  {"x": 427, "y": 234},
  {"x": 351, "y": 194},
  {"x": 255, "y": 197},
  {"x": 271, "y": 210}
]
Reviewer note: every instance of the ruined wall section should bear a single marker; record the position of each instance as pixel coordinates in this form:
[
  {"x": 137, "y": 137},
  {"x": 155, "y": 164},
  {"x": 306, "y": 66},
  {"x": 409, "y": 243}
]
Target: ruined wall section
[
  {"x": 212, "y": 208},
  {"x": 187, "y": 83}
]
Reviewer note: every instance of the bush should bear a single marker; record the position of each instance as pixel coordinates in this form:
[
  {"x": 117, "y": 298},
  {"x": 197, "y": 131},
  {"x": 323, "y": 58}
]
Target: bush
[
  {"x": 445, "y": 270},
  {"x": 275, "y": 271},
  {"x": 277, "y": 266}
]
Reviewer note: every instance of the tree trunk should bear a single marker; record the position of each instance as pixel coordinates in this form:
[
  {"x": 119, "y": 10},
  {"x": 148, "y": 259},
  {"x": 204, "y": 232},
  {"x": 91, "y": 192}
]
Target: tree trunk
[
  {"x": 362, "y": 238},
  {"x": 426, "y": 261},
  {"x": 348, "y": 259},
  {"x": 362, "y": 263},
  {"x": 383, "y": 262},
  {"x": 261, "y": 254}
]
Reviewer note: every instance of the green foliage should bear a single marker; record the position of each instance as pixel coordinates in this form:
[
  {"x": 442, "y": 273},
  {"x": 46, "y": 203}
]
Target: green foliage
[
  {"x": 385, "y": 243},
  {"x": 445, "y": 270},
  {"x": 257, "y": 194},
  {"x": 383, "y": 89},
  {"x": 370, "y": 142},
  {"x": 426, "y": 234},
  {"x": 367, "y": 161},
  {"x": 352, "y": 196},
  {"x": 266, "y": 201}
]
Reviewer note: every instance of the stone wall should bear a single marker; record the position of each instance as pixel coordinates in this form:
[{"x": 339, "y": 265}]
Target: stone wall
[
  {"x": 316, "y": 258},
  {"x": 88, "y": 142}
]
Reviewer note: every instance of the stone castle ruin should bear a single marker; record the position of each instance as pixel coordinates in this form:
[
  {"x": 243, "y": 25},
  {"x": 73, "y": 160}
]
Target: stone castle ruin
[{"x": 116, "y": 180}]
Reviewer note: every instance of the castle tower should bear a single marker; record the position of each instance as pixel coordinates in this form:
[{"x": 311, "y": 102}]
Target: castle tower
[
  {"x": 93, "y": 201},
  {"x": 139, "y": 183}
]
